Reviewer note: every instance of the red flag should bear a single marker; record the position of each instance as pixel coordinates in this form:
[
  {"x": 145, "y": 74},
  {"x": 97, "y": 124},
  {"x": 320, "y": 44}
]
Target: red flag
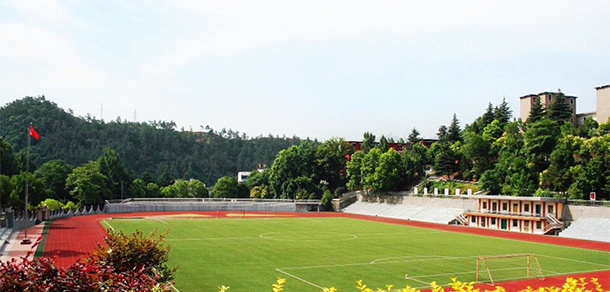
[{"x": 33, "y": 133}]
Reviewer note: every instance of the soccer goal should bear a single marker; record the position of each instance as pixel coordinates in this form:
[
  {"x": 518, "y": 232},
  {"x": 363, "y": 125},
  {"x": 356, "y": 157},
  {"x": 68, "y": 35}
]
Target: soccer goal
[{"x": 508, "y": 267}]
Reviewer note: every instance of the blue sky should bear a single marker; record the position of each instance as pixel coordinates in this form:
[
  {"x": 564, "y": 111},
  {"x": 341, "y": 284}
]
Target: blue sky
[{"x": 315, "y": 69}]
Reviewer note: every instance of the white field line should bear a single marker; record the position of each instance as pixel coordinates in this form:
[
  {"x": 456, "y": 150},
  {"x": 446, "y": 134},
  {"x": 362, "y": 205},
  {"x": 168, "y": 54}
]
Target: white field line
[
  {"x": 416, "y": 280},
  {"x": 174, "y": 287},
  {"x": 369, "y": 263},
  {"x": 571, "y": 260},
  {"x": 109, "y": 225},
  {"x": 300, "y": 279},
  {"x": 408, "y": 256},
  {"x": 161, "y": 221}
]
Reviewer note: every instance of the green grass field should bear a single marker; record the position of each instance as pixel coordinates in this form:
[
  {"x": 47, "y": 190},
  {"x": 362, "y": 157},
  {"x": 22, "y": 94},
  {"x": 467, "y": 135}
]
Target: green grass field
[{"x": 250, "y": 254}]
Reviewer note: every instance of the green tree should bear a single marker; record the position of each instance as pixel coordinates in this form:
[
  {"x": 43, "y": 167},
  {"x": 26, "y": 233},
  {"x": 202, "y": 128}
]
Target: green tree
[
  {"x": 354, "y": 174},
  {"x": 383, "y": 144},
  {"x": 442, "y": 134},
  {"x": 111, "y": 166},
  {"x": 137, "y": 189},
  {"x": 493, "y": 131},
  {"x": 478, "y": 151},
  {"x": 488, "y": 117},
  {"x": 558, "y": 177},
  {"x": 258, "y": 178},
  {"x": 197, "y": 189},
  {"x": 445, "y": 161},
  {"x": 368, "y": 142},
  {"x": 368, "y": 169},
  {"x": 327, "y": 200},
  {"x": 35, "y": 190},
  {"x": 414, "y": 163},
  {"x": 588, "y": 129},
  {"x": 414, "y": 137},
  {"x": 52, "y": 204},
  {"x": 454, "y": 133},
  {"x": 540, "y": 140},
  {"x": 491, "y": 182},
  {"x": 225, "y": 187},
  {"x": 53, "y": 175},
  {"x": 294, "y": 162},
  {"x": 389, "y": 175},
  {"x": 503, "y": 113},
  {"x": 88, "y": 185},
  {"x": 152, "y": 190},
  {"x": 6, "y": 188},
  {"x": 260, "y": 192},
  {"x": 537, "y": 112},
  {"x": 8, "y": 162},
  {"x": 559, "y": 110},
  {"x": 300, "y": 188},
  {"x": 331, "y": 161}
]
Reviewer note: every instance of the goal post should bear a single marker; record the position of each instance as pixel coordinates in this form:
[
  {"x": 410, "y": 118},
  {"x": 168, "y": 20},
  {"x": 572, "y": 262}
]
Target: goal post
[{"x": 510, "y": 264}]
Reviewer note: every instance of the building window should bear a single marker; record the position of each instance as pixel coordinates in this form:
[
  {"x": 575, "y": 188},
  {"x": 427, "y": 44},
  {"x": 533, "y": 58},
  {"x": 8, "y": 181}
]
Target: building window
[
  {"x": 571, "y": 101},
  {"x": 538, "y": 225},
  {"x": 474, "y": 219},
  {"x": 515, "y": 208},
  {"x": 484, "y": 205},
  {"x": 504, "y": 206},
  {"x": 526, "y": 208},
  {"x": 550, "y": 98},
  {"x": 526, "y": 226},
  {"x": 515, "y": 223},
  {"x": 551, "y": 209},
  {"x": 493, "y": 221},
  {"x": 494, "y": 206},
  {"x": 483, "y": 221}
]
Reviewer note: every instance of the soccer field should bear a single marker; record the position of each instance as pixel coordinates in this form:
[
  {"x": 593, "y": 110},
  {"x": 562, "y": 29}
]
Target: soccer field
[{"x": 249, "y": 254}]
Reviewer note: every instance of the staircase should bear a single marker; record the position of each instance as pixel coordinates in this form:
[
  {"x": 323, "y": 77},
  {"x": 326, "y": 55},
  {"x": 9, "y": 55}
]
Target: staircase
[
  {"x": 463, "y": 221},
  {"x": 553, "y": 224}
]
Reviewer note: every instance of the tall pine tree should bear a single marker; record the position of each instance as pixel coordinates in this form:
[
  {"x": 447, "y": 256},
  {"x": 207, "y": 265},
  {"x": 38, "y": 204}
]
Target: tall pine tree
[
  {"x": 537, "y": 112},
  {"x": 560, "y": 111},
  {"x": 454, "y": 134},
  {"x": 503, "y": 113}
]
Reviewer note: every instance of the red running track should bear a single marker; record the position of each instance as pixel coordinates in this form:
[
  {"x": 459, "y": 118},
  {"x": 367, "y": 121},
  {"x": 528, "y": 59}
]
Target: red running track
[{"x": 71, "y": 239}]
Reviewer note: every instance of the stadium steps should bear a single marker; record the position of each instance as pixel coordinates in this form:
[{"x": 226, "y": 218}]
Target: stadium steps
[
  {"x": 407, "y": 212},
  {"x": 463, "y": 221},
  {"x": 588, "y": 228}
]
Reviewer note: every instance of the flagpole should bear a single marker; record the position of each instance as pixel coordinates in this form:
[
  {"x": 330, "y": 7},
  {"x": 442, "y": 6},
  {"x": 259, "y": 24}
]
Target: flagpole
[{"x": 26, "y": 240}]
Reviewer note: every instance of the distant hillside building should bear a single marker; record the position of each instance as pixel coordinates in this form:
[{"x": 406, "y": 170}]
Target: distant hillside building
[
  {"x": 603, "y": 103},
  {"x": 601, "y": 114},
  {"x": 546, "y": 98}
]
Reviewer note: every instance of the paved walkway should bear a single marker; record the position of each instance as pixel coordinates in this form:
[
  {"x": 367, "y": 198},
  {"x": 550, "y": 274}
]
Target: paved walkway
[{"x": 16, "y": 250}]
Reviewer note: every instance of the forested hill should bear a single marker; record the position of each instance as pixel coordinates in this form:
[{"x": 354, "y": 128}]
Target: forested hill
[{"x": 151, "y": 149}]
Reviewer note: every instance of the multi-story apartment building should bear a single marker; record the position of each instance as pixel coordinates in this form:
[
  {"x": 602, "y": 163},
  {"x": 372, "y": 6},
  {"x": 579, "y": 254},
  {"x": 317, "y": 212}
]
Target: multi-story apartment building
[
  {"x": 601, "y": 114},
  {"x": 546, "y": 98},
  {"x": 603, "y": 103}
]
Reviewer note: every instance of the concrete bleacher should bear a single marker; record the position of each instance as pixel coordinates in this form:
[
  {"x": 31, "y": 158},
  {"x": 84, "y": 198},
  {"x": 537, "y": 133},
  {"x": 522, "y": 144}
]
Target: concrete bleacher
[
  {"x": 588, "y": 228},
  {"x": 440, "y": 215}
]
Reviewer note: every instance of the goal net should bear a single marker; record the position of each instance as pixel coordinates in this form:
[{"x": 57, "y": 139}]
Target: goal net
[{"x": 508, "y": 267}]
